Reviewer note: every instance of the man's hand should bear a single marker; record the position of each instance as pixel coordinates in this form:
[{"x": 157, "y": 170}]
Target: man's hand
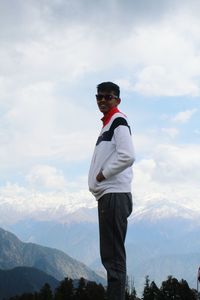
[{"x": 100, "y": 177}]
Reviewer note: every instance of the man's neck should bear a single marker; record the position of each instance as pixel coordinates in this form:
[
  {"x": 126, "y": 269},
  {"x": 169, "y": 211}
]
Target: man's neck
[{"x": 107, "y": 116}]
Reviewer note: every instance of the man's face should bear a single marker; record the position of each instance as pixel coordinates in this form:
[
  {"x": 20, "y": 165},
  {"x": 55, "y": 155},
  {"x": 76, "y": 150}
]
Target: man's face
[{"x": 106, "y": 101}]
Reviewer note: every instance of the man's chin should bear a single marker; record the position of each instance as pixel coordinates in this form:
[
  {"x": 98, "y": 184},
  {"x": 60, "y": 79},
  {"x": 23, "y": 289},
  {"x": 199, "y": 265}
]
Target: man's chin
[{"x": 103, "y": 110}]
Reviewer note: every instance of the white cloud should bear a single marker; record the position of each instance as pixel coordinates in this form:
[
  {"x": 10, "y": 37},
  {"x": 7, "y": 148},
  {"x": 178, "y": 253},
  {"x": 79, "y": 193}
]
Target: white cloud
[
  {"x": 48, "y": 177},
  {"x": 184, "y": 116},
  {"x": 197, "y": 131},
  {"x": 125, "y": 84},
  {"x": 52, "y": 52},
  {"x": 40, "y": 125},
  {"x": 18, "y": 203},
  {"x": 171, "y": 132},
  {"x": 161, "y": 81},
  {"x": 149, "y": 140},
  {"x": 173, "y": 164},
  {"x": 153, "y": 54},
  {"x": 171, "y": 176},
  {"x": 171, "y": 173},
  {"x": 166, "y": 71}
]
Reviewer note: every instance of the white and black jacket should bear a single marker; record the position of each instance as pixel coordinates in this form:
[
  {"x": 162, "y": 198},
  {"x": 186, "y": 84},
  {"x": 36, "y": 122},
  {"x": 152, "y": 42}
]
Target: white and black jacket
[{"x": 114, "y": 156}]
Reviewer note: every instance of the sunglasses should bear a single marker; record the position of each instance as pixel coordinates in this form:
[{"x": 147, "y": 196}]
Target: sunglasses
[{"x": 99, "y": 97}]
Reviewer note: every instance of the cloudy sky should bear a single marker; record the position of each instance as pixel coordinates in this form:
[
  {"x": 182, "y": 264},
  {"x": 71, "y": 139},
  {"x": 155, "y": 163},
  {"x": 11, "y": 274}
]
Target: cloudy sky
[{"x": 53, "y": 53}]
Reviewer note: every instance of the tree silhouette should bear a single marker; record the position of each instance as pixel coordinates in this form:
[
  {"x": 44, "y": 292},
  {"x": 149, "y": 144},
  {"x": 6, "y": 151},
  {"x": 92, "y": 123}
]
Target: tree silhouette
[
  {"x": 154, "y": 292},
  {"x": 65, "y": 290},
  {"x": 130, "y": 293},
  {"x": 146, "y": 291},
  {"x": 46, "y": 292},
  {"x": 80, "y": 293},
  {"x": 171, "y": 289},
  {"x": 185, "y": 292},
  {"x": 95, "y": 291}
]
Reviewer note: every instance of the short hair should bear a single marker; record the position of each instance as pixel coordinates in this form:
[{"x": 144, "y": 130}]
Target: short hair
[{"x": 109, "y": 87}]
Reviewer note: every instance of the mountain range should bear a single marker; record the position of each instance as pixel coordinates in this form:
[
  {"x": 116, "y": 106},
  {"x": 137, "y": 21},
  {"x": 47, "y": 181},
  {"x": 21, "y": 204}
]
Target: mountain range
[
  {"x": 54, "y": 262},
  {"x": 162, "y": 239}
]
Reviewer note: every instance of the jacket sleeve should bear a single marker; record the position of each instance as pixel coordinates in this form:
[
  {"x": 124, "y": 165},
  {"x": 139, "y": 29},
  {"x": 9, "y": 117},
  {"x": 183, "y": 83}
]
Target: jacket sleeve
[{"x": 124, "y": 156}]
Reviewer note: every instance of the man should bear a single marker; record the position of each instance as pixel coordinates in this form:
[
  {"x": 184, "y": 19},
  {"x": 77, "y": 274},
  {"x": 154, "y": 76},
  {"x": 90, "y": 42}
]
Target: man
[{"x": 109, "y": 180}]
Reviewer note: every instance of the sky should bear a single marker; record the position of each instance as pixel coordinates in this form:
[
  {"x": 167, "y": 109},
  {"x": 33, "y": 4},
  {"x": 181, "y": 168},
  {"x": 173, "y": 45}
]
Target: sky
[{"x": 52, "y": 56}]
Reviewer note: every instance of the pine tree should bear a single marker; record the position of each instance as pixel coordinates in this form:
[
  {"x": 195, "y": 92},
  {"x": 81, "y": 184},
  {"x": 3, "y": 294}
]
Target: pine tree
[
  {"x": 173, "y": 289},
  {"x": 170, "y": 288},
  {"x": 65, "y": 290},
  {"x": 133, "y": 293},
  {"x": 130, "y": 293},
  {"x": 95, "y": 291},
  {"x": 146, "y": 291},
  {"x": 80, "y": 293},
  {"x": 46, "y": 292},
  {"x": 151, "y": 291},
  {"x": 185, "y": 292},
  {"x": 154, "y": 292}
]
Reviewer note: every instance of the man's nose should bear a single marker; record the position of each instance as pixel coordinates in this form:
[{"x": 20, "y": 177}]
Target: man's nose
[{"x": 103, "y": 99}]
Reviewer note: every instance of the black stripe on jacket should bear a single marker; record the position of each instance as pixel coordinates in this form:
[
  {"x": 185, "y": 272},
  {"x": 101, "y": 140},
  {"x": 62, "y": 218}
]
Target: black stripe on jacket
[{"x": 107, "y": 135}]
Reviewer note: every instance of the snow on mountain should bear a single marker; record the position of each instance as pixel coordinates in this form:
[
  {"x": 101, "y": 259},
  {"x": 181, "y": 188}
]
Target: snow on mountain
[
  {"x": 162, "y": 208},
  {"x": 18, "y": 203},
  {"x": 164, "y": 225},
  {"x": 168, "y": 203}
]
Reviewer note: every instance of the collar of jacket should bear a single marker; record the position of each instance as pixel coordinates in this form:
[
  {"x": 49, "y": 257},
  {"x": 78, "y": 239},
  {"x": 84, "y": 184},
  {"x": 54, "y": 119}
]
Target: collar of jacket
[{"x": 106, "y": 118}]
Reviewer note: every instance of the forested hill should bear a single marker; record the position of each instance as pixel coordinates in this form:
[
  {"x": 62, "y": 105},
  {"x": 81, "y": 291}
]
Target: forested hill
[
  {"x": 23, "y": 280},
  {"x": 14, "y": 253}
]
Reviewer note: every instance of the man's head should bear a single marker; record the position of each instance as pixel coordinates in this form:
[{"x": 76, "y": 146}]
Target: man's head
[
  {"x": 108, "y": 87},
  {"x": 108, "y": 96}
]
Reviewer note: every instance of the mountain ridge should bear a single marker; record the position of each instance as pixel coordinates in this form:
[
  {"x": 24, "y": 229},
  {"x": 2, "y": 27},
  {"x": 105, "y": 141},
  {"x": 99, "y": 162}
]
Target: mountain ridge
[
  {"x": 22, "y": 280},
  {"x": 15, "y": 253},
  {"x": 159, "y": 229},
  {"x": 148, "y": 240}
]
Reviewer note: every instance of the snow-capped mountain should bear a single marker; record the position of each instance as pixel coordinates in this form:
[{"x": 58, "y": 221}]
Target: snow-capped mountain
[
  {"x": 18, "y": 203},
  {"x": 161, "y": 208},
  {"x": 163, "y": 235}
]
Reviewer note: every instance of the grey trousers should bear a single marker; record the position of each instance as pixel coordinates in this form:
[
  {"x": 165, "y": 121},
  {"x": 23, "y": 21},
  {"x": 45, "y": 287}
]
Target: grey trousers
[{"x": 113, "y": 211}]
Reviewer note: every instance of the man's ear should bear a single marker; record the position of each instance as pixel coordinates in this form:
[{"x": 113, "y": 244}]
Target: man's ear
[{"x": 118, "y": 101}]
